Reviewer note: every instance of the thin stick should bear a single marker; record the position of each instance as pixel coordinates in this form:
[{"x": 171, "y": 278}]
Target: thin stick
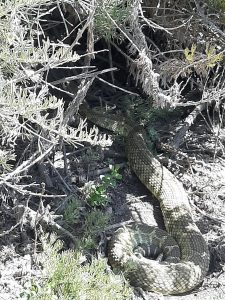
[
  {"x": 117, "y": 87},
  {"x": 60, "y": 177}
]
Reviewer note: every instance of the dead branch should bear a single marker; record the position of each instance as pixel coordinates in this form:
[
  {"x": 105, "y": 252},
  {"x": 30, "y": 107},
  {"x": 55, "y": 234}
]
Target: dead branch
[
  {"x": 142, "y": 69},
  {"x": 179, "y": 136},
  {"x": 43, "y": 217}
]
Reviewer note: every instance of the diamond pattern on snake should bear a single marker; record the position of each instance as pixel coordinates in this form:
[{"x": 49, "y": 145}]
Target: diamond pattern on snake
[{"x": 185, "y": 253}]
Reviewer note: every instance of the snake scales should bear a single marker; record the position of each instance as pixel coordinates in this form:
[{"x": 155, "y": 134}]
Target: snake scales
[{"x": 185, "y": 252}]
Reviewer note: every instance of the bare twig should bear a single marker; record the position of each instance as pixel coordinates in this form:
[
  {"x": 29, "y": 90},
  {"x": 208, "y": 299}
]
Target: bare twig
[
  {"x": 208, "y": 96},
  {"x": 43, "y": 216},
  {"x": 84, "y": 75},
  {"x": 178, "y": 138},
  {"x": 10, "y": 230},
  {"x": 117, "y": 87},
  {"x": 21, "y": 190},
  {"x": 78, "y": 99},
  {"x": 117, "y": 225},
  {"x": 60, "y": 177},
  {"x": 26, "y": 165}
]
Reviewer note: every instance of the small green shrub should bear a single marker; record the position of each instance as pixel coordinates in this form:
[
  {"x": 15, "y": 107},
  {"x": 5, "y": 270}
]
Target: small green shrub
[
  {"x": 96, "y": 220},
  {"x": 98, "y": 195},
  {"x": 72, "y": 211},
  {"x": 69, "y": 276},
  {"x": 90, "y": 223}
]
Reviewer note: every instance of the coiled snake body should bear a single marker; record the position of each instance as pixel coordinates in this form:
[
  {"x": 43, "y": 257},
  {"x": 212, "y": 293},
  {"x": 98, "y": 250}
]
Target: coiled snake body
[{"x": 185, "y": 252}]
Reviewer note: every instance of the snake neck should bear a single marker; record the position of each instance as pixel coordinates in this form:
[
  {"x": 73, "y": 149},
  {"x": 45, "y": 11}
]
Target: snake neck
[{"x": 115, "y": 123}]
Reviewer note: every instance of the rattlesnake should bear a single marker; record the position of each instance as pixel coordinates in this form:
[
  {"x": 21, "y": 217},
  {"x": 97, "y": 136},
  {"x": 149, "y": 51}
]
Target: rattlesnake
[{"x": 185, "y": 252}]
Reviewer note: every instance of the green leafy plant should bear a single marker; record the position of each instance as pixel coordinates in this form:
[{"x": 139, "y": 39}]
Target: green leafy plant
[
  {"x": 190, "y": 53},
  {"x": 212, "y": 57},
  {"x": 98, "y": 195}
]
